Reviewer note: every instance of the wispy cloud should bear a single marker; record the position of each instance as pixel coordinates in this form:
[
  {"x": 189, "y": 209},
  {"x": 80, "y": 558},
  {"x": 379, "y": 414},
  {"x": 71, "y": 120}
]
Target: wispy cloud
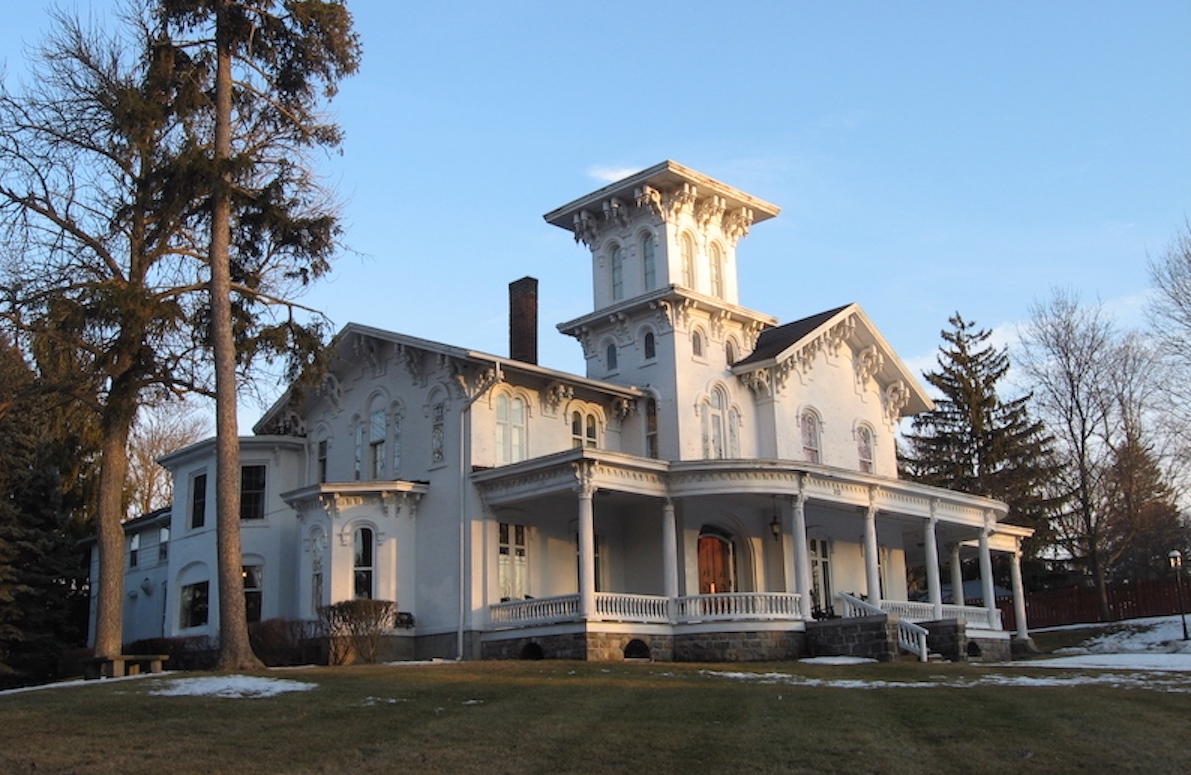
[{"x": 611, "y": 174}]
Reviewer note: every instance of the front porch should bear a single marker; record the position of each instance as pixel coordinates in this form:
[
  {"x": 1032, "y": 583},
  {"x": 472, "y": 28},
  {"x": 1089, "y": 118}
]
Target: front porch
[
  {"x": 749, "y": 625},
  {"x": 632, "y": 552}
]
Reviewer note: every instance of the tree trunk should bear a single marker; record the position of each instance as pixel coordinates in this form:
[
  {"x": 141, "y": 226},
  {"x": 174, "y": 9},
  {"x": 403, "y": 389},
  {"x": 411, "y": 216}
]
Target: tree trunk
[
  {"x": 109, "y": 611},
  {"x": 235, "y": 650}
]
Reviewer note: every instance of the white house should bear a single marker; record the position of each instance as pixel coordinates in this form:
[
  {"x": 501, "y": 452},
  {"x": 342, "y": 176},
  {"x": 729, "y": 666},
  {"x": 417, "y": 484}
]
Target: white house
[{"x": 717, "y": 486}]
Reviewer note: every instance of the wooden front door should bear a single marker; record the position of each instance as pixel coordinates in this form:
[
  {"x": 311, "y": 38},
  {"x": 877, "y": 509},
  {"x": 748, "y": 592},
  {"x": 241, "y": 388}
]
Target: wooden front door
[{"x": 716, "y": 572}]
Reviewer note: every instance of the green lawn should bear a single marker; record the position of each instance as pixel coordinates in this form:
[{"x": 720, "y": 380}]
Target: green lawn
[{"x": 569, "y": 717}]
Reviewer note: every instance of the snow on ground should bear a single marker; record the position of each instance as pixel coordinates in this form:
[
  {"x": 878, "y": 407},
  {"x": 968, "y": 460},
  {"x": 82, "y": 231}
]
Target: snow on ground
[{"x": 230, "y": 686}]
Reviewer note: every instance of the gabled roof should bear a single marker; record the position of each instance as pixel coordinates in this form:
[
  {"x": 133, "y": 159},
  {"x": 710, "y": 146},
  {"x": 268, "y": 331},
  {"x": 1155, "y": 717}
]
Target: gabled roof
[
  {"x": 347, "y": 339},
  {"x": 774, "y": 341},
  {"x": 794, "y": 345}
]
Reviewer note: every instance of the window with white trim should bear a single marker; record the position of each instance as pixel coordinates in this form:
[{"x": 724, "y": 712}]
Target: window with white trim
[
  {"x": 194, "y": 604},
  {"x": 610, "y": 356},
  {"x": 820, "y": 551},
  {"x": 510, "y": 429},
  {"x": 134, "y": 548},
  {"x": 697, "y": 344},
  {"x": 512, "y": 562},
  {"x": 809, "y": 424},
  {"x": 438, "y": 414},
  {"x": 322, "y": 460},
  {"x": 651, "y": 428},
  {"x": 163, "y": 544},
  {"x": 584, "y": 430},
  {"x": 688, "y": 261},
  {"x": 717, "y": 271},
  {"x": 864, "y": 448},
  {"x": 198, "y": 500},
  {"x": 650, "y": 346},
  {"x": 648, "y": 262},
  {"x": 253, "y": 584},
  {"x": 617, "y": 267},
  {"x": 715, "y": 425},
  {"x": 363, "y": 563},
  {"x": 252, "y": 492},
  {"x": 378, "y": 432}
]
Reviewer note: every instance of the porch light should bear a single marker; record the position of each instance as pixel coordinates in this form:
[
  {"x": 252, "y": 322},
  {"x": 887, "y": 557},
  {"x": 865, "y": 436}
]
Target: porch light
[
  {"x": 1176, "y": 564},
  {"x": 776, "y": 527}
]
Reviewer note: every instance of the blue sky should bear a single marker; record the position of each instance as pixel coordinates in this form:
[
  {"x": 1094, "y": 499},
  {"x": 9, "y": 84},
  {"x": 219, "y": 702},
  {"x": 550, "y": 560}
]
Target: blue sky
[{"x": 927, "y": 157}]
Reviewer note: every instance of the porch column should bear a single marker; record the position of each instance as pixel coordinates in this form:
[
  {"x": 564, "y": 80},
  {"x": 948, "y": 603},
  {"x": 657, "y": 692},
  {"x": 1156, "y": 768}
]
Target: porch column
[
  {"x": 957, "y": 576},
  {"x": 933, "y": 589},
  {"x": 872, "y": 570},
  {"x": 986, "y": 574},
  {"x": 802, "y": 559},
  {"x": 1019, "y": 595},
  {"x": 586, "y": 489},
  {"x": 669, "y": 557}
]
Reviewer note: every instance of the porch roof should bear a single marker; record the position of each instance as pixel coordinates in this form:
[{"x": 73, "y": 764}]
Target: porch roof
[{"x": 618, "y": 473}]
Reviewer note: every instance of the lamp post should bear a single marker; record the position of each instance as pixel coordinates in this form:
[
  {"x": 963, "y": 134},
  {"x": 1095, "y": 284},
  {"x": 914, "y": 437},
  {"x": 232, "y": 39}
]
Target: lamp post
[{"x": 1176, "y": 563}]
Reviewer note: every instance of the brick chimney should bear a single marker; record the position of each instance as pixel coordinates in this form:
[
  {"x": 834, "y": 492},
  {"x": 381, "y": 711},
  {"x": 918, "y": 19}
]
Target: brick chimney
[{"x": 523, "y": 320}]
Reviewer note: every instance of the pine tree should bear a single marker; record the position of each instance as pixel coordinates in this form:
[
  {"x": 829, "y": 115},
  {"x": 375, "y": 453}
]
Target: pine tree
[{"x": 974, "y": 441}]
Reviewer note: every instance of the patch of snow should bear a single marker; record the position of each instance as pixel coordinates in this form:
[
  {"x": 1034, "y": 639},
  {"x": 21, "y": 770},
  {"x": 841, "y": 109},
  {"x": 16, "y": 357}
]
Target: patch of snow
[{"x": 230, "y": 686}]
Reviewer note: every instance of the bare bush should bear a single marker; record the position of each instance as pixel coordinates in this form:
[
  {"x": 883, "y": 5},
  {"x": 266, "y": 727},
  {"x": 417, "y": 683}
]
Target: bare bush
[{"x": 355, "y": 627}]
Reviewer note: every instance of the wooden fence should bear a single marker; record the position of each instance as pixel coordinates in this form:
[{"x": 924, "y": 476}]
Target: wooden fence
[{"x": 1080, "y": 605}]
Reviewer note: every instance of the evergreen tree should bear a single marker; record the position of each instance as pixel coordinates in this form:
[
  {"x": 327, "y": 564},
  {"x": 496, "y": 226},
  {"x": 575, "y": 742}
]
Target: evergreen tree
[
  {"x": 974, "y": 441},
  {"x": 45, "y": 467},
  {"x": 1144, "y": 522}
]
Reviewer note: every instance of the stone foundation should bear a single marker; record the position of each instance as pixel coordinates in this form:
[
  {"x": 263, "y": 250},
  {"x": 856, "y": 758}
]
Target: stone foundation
[
  {"x": 948, "y": 638},
  {"x": 757, "y": 646},
  {"x": 752, "y": 646},
  {"x": 870, "y": 637},
  {"x": 989, "y": 650}
]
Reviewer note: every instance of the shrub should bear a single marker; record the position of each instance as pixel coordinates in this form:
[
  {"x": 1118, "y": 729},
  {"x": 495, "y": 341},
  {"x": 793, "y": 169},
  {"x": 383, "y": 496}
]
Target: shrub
[
  {"x": 280, "y": 642},
  {"x": 355, "y": 626}
]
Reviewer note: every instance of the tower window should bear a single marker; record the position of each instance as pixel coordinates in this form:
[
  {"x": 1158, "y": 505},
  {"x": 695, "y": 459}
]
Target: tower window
[
  {"x": 648, "y": 262},
  {"x": 617, "y": 273}
]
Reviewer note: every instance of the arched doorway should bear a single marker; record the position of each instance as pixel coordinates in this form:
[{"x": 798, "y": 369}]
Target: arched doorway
[{"x": 717, "y": 562}]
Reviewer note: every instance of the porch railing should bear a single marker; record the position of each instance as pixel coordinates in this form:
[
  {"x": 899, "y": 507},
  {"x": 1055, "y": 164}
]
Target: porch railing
[
  {"x": 910, "y": 636},
  {"x": 739, "y": 605},
  {"x": 976, "y": 617},
  {"x": 536, "y": 611},
  {"x": 631, "y": 608},
  {"x": 649, "y": 609}
]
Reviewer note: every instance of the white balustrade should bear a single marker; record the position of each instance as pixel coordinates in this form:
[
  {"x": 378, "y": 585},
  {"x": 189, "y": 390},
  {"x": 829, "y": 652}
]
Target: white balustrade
[
  {"x": 650, "y": 609},
  {"x": 978, "y": 618},
  {"x": 739, "y": 606}
]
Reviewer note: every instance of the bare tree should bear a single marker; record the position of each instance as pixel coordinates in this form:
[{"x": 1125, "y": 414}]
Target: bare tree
[
  {"x": 159, "y": 430},
  {"x": 1098, "y": 391}
]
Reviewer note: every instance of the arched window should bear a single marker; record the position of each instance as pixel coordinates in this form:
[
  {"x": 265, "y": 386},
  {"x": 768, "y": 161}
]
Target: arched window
[
  {"x": 715, "y": 431},
  {"x": 510, "y": 429},
  {"x": 584, "y": 430},
  {"x": 364, "y": 563},
  {"x": 688, "y": 261},
  {"x": 378, "y": 433},
  {"x": 697, "y": 344},
  {"x": 717, "y": 271},
  {"x": 651, "y": 428},
  {"x": 730, "y": 352},
  {"x": 864, "y": 448},
  {"x": 733, "y": 449},
  {"x": 357, "y": 448},
  {"x": 610, "y": 356},
  {"x": 809, "y": 423},
  {"x": 617, "y": 262},
  {"x": 648, "y": 262},
  {"x": 651, "y": 347}
]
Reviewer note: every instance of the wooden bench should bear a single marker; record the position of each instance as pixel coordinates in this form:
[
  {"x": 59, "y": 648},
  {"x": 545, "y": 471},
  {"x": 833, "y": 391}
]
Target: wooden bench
[{"x": 122, "y": 665}]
